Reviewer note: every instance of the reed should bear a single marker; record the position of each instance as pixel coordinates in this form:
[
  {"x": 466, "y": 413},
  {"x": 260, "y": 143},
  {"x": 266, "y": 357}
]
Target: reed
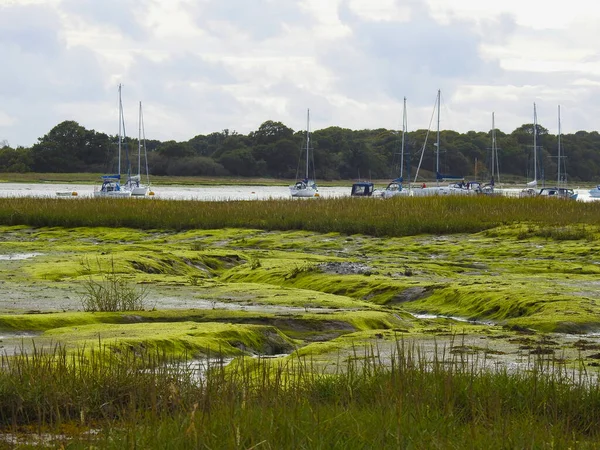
[
  {"x": 404, "y": 400},
  {"x": 394, "y": 217},
  {"x": 112, "y": 292}
]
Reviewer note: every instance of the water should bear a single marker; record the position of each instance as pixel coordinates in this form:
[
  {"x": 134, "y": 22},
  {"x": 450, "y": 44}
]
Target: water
[{"x": 205, "y": 193}]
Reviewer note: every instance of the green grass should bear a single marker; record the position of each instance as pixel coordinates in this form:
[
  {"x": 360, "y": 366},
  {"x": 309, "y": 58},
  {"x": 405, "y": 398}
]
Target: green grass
[
  {"x": 146, "y": 399},
  {"x": 396, "y": 217}
]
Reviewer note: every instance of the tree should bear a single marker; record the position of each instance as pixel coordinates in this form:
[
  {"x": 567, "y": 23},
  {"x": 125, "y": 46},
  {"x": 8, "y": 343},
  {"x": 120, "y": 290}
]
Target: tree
[
  {"x": 241, "y": 162},
  {"x": 172, "y": 149},
  {"x": 60, "y": 150},
  {"x": 270, "y": 132}
]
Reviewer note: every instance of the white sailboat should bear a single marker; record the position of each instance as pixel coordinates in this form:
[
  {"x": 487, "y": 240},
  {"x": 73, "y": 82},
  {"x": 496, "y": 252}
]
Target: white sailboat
[
  {"x": 395, "y": 187},
  {"x": 134, "y": 182},
  {"x": 530, "y": 190},
  {"x": 560, "y": 191},
  {"x": 307, "y": 187},
  {"x": 457, "y": 188},
  {"x": 111, "y": 184}
]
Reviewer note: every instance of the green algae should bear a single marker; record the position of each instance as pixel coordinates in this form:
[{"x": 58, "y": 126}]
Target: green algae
[
  {"x": 191, "y": 339},
  {"x": 520, "y": 276}
]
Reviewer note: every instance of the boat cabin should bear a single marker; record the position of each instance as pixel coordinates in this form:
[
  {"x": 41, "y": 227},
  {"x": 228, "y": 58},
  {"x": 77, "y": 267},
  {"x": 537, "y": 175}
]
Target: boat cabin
[
  {"x": 362, "y": 189},
  {"x": 554, "y": 192},
  {"x": 111, "y": 183},
  {"x": 305, "y": 184}
]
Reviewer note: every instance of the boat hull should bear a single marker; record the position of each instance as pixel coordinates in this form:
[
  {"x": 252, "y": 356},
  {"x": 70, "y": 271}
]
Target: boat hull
[
  {"x": 140, "y": 191},
  {"x": 304, "y": 193},
  {"x": 112, "y": 194}
]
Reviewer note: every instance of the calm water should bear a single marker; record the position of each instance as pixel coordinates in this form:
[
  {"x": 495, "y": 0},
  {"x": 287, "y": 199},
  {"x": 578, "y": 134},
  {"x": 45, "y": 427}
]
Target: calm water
[{"x": 206, "y": 193}]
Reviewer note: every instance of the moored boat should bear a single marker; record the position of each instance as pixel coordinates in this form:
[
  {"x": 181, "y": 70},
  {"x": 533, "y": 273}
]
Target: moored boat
[{"x": 307, "y": 187}]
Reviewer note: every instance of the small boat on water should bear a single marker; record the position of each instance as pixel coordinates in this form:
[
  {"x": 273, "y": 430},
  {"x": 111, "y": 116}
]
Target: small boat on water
[
  {"x": 362, "y": 189},
  {"x": 66, "y": 194},
  {"x": 557, "y": 192},
  {"x": 111, "y": 184},
  {"x": 595, "y": 192},
  {"x": 307, "y": 187},
  {"x": 111, "y": 187},
  {"x": 134, "y": 182},
  {"x": 395, "y": 187}
]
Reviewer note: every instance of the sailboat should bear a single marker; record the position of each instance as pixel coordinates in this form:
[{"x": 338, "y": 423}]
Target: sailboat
[
  {"x": 530, "y": 190},
  {"x": 456, "y": 188},
  {"x": 111, "y": 184},
  {"x": 560, "y": 191},
  {"x": 488, "y": 189},
  {"x": 134, "y": 182},
  {"x": 307, "y": 187},
  {"x": 395, "y": 187}
]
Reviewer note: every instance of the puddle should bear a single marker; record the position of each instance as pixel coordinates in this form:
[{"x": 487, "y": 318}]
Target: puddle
[
  {"x": 16, "y": 343},
  {"x": 458, "y": 319},
  {"x": 19, "y": 256}
]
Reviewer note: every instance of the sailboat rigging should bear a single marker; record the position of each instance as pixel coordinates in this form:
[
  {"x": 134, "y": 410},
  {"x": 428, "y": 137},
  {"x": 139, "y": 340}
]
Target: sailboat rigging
[
  {"x": 458, "y": 188},
  {"x": 111, "y": 184},
  {"x": 134, "y": 183},
  {"x": 560, "y": 191},
  {"x": 307, "y": 187},
  {"x": 395, "y": 187}
]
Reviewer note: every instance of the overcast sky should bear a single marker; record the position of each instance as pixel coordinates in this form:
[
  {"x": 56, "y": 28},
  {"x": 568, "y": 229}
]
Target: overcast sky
[{"x": 200, "y": 66}]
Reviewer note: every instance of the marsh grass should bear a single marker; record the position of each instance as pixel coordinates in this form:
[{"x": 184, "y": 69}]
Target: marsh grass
[
  {"x": 112, "y": 292},
  {"x": 395, "y": 217},
  {"x": 408, "y": 399}
]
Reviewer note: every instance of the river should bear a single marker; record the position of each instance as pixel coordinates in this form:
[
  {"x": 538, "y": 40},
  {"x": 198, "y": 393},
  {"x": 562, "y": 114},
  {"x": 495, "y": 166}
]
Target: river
[{"x": 205, "y": 193}]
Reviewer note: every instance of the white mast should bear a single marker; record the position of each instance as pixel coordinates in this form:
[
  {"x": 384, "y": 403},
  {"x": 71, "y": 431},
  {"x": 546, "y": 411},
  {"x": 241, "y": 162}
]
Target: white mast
[
  {"x": 145, "y": 151},
  {"x": 437, "y": 155},
  {"x": 140, "y": 142},
  {"x": 495, "y": 164},
  {"x": 120, "y": 121},
  {"x": 307, "y": 139},
  {"x": 404, "y": 127},
  {"x": 534, "y": 144},
  {"x": 493, "y": 142},
  {"x": 559, "y": 156}
]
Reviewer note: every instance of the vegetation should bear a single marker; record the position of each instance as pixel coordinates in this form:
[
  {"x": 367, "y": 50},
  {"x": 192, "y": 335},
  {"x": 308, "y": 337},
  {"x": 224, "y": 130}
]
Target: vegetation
[
  {"x": 434, "y": 215},
  {"x": 273, "y": 151},
  {"x": 146, "y": 399},
  {"x": 456, "y": 325},
  {"x": 111, "y": 293}
]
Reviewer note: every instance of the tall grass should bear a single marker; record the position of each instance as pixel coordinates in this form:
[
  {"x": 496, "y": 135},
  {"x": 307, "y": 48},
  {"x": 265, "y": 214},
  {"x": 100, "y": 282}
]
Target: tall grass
[
  {"x": 394, "y": 217},
  {"x": 141, "y": 400},
  {"x": 112, "y": 292}
]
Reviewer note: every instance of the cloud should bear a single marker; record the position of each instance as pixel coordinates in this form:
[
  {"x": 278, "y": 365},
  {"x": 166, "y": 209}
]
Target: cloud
[
  {"x": 204, "y": 65},
  {"x": 395, "y": 58},
  {"x": 257, "y": 19},
  {"x": 126, "y": 16}
]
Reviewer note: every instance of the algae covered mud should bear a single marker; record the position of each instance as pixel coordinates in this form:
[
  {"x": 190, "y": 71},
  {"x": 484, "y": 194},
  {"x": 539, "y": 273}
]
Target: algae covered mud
[{"x": 505, "y": 295}]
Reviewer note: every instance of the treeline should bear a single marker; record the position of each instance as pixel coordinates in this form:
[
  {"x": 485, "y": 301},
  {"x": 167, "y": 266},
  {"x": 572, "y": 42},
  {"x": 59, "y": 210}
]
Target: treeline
[{"x": 275, "y": 150}]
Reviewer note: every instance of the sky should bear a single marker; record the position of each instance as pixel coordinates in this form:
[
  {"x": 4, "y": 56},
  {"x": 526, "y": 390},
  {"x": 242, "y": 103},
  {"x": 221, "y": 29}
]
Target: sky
[{"x": 202, "y": 66}]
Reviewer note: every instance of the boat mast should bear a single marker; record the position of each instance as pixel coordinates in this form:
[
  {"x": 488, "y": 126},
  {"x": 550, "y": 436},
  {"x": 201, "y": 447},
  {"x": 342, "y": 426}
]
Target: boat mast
[
  {"x": 404, "y": 122},
  {"x": 559, "y": 156},
  {"x": 307, "y": 139},
  {"x": 534, "y": 143},
  {"x": 493, "y": 142},
  {"x": 437, "y": 155},
  {"x": 120, "y": 122},
  {"x": 145, "y": 151},
  {"x": 495, "y": 164},
  {"x": 140, "y": 142}
]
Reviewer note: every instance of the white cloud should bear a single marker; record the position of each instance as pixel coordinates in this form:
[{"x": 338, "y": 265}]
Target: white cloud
[{"x": 204, "y": 65}]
